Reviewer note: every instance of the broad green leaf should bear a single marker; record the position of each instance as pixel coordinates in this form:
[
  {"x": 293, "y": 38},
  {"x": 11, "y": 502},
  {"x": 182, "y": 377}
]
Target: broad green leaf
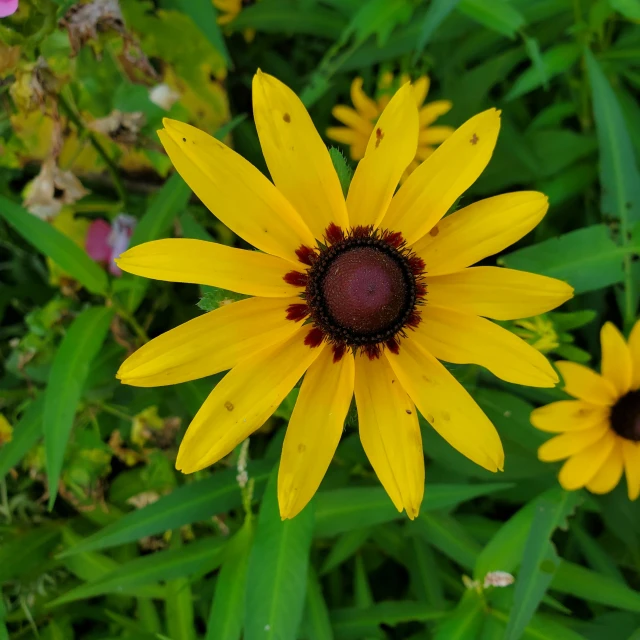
[
  {"x": 165, "y": 205},
  {"x": 178, "y": 608},
  {"x": 204, "y": 554},
  {"x": 498, "y": 15},
  {"x": 584, "y": 583},
  {"x": 225, "y": 618},
  {"x": 187, "y": 504},
  {"x": 345, "y": 546},
  {"x": 277, "y": 573},
  {"x": 540, "y": 628},
  {"x": 466, "y": 621},
  {"x": 342, "y": 510},
  {"x": 588, "y": 259},
  {"x": 539, "y": 559},
  {"x": 427, "y": 577},
  {"x": 27, "y": 552},
  {"x": 447, "y": 535},
  {"x": 316, "y": 623},
  {"x": 56, "y": 245},
  {"x": 25, "y": 436},
  {"x": 288, "y": 16},
  {"x": 555, "y": 61},
  {"x": 619, "y": 175},
  {"x": 437, "y": 11},
  {"x": 628, "y": 8},
  {"x": 203, "y": 14},
  {"x": 354, "y": 622},
  {"x": 596, "y": 555},
  {"x": 66, "y": 380}
]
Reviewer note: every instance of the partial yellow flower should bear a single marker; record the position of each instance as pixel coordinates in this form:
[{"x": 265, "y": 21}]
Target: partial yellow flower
[
  {"x": 360, "y": 121},
  {"x": 361, "y": 297},
  {"x": 600, "y": 429},
  {"x": 229, "y": 10}
]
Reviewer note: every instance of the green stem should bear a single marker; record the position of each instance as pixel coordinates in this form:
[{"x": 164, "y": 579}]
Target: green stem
[
  {"x": 130, "y": 319},
  {"x": 111, "y": 166}
]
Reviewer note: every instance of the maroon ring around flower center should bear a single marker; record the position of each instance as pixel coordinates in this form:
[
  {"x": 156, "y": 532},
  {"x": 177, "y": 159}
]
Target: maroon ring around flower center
[
  {"x": 361, "y": 290},
  {"x": 625, "y": 416}
]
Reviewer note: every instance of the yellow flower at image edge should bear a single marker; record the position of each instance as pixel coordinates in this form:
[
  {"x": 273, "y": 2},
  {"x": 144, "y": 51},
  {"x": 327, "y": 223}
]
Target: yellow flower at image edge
[
  {"x": 360, "y": 121},
  {"x": 600, "y": 429},
  {"x": 361, "y": 297}
]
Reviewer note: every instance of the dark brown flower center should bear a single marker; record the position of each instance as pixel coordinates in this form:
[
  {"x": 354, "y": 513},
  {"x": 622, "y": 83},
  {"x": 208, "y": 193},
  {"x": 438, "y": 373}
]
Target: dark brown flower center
[
  {"x": 625, "y": 416},
  {"x": 364, "y": 290},
  {"x": 361, "y": 290}
]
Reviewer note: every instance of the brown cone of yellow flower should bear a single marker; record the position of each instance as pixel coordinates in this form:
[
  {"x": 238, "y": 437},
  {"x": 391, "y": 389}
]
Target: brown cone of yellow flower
[
  {"x": 360, "y": 121},
  {"x": 600, "y": 429},
  {"x": 361, "y": 297}
]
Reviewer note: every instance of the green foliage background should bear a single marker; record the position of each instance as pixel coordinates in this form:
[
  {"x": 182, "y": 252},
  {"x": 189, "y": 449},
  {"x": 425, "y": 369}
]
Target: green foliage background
[{"x": 101, "y": 538}]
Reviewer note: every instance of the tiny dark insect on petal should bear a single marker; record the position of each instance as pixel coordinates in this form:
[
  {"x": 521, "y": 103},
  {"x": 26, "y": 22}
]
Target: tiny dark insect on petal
[
  {"x": 286, "y": 117},
  {"x": 474, "y": 139},
  {"x": 379, "y": 136}
]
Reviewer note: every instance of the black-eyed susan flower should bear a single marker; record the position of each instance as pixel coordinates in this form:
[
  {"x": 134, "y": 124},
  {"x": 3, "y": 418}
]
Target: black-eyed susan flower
[
  {"x": 360, "y": 121},
  {"x": 600, "y": 429},
  {"x": 361, "y": 297}
]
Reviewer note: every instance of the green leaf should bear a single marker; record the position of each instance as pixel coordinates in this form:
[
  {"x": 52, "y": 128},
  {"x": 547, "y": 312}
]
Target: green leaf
[
  {"x": 190, "y": 503},
  {"x": 25, "y": 436},
  {"x": 203, "y": 14},
  {"x": 345, "y": 546},
  {"x": 628, "y": 8},
  {"x": 165, "y": 205},
  {"x": 66, "y": 380},
  {"x": 595, "y": 587},
  {"x": 466, "y": 621},
  {"x": 540, "y": 628},
  {"x": 435, "y": 14},
  {"x": 225, "y": 618},
  {"x": 179, "y": 611},
  {"x": 289, "y": 16},
  {"x": 57, "y": 246},
  {"x": 342, "y": 167},
  {"x": 539, "y": 559},
  {"x": 619, "y": 175},
  {"x": 447, "y": 535},
  {"x": 316, "y": 622},
  {"x": 588, "y": 259},
  {"x": 497, "y": 15},
  {"x": 203, "y": 555},
  {"x": 596, "y": 556},
  {"x": 347, "y": 509},
  {"x": 277, "y": 573},
  {"x": 27, "y": 552},
  {"x": 214, "y": 298},
  {"x": 354, "y": 622},
  {"x": 554, "y": 61}
]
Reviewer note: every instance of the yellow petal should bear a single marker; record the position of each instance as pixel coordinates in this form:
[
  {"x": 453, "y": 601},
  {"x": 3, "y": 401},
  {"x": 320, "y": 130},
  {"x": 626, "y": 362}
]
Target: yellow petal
[
  {"x": 568, "y": 415},
  {"x": 616, "y": 358},
  {"x": 465, "y": 339},
  {"x": 243, "y": 400},
  {"x": 346, "y": 135},
  {"x": 435, "y": 135},
  {"x": 390, "y": 433},
  {"x": 494, "y": 292},
  {"x": 585, "y": 384},
  {"x": 610, "y": 472},
  {"x": 352, "y": 119},
  {"x": 297, "y": 158},
  {"x": 392, "y": 146},
  {"x": 439, "y": 181},
  {"x": 446, "y": 405},
  {"x": 362, "y": 102},
  {"x": 578, "y": 470},
  {"x": 631, "y": 455},
  {"x": 202, "y": 262},
  {"x": 210, "y": 343},
  {"x": 634, "y": 349},
  {"x": 571, "y": 442},
  {"x": 314, "y": 430},
  {"x": 421, "y": 89},
  {"x": 235, "y": 191},
  {"x": 432, "y": 111},
  {"x": 480, "y": 230}
]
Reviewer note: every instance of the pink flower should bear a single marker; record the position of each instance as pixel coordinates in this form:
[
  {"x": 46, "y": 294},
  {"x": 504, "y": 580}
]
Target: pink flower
[
  {"x": 7, "y": 7},
  {"x": 105, "y": 242}
]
